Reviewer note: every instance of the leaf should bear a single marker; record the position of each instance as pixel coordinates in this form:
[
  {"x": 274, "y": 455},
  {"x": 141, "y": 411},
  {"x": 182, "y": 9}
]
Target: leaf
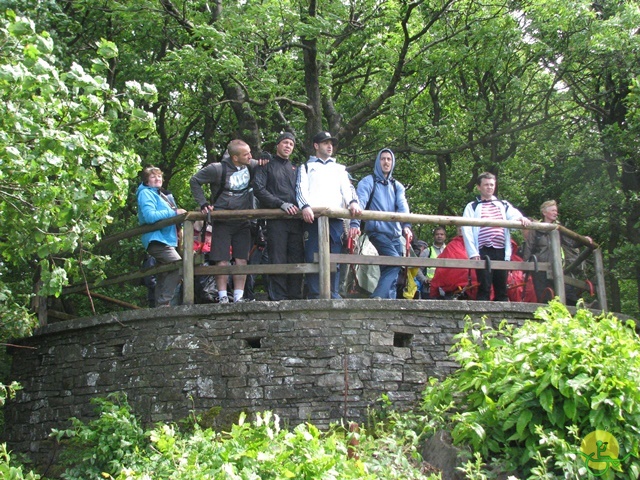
[
  {"x": 546, "y": 400},
  {"x": 523, "y": 421},
  {"x": 569, "y": 407}
]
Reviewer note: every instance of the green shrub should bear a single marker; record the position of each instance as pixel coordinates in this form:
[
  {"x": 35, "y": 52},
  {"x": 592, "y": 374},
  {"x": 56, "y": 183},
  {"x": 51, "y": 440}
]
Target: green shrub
[
  {"x": 524, "y": 397},
  {"x": 8, "y": 471},
  {"x": 113, "y": 446},
  {"x": 103, "y": 446}
]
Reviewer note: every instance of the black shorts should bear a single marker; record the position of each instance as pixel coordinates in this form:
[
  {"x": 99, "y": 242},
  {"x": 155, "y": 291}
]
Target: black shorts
[{"x": 230, "y": 240}]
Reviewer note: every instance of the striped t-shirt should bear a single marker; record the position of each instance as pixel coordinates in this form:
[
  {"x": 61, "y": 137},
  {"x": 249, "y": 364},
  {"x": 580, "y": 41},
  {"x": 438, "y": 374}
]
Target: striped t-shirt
[{"x": 490, "y": 236}]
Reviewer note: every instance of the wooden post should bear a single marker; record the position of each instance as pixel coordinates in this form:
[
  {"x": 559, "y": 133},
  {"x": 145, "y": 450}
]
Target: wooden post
[
  {"x": 324, "y": 263},
  {"x": 601, "y": 291},
  {"x": 42, "y": 310},
  {"x": 556, "y": 265},
  {"x": 188, "y": 292}
]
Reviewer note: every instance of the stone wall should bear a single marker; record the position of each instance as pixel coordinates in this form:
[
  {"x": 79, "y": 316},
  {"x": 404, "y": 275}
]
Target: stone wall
[{"x": 321, "y": 361}]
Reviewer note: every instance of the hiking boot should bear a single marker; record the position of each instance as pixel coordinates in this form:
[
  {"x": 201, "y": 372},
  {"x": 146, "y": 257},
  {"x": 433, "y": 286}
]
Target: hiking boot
[{"x": 223, "y": 299}]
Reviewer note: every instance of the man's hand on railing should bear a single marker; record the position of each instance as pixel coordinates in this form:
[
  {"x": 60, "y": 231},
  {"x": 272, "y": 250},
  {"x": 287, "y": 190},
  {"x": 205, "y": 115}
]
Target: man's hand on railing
[
  {"x": 206, "y": 208},
  {"x": 525, "y": 221},
  {"x": 307, "y": 214},
  {"x": 290, "y": 208},
  {"x": 180, "y": 211},
  {"x": 355, "y": 209}
]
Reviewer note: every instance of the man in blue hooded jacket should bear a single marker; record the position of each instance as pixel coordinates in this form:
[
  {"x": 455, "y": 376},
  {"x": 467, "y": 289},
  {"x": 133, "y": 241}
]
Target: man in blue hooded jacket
[{"x": 381, "y": 192}]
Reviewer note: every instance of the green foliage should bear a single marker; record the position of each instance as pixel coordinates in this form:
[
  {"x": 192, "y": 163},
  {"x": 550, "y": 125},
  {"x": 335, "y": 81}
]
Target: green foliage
[
  {"x": 106, "y": 444},
  {"x": 8, "y": 471},
  {"x": 114, "y": 446},
  {"x": 518, "y": 388},
  {"x": 8, "y": 391},
  {"x": 61, "y": 172}
]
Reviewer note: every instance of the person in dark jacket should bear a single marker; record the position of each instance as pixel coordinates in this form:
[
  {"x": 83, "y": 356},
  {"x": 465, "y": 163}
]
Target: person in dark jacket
[
  {"x": 233, "y": 192},
  {"x": 275, "y": 187},
  {"x": 538, "y": 243}
]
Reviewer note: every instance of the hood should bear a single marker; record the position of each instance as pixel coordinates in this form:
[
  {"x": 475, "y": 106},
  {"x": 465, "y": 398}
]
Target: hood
[
  {"x": 377, "y": 170},
  {"x": 142, "y": 186}
]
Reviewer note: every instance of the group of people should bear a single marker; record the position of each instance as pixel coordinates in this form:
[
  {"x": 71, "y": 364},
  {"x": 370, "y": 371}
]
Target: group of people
[{"x": 277, "y": 183}]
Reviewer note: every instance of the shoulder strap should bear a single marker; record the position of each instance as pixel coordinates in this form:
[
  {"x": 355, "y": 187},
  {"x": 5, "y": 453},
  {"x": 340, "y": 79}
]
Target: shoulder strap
[
  {"x": 373, "y": 190},
  {"x": 223, "y": 181},
  {"x": 167, "y": 199},
  {"x": 477, "y": 202}
]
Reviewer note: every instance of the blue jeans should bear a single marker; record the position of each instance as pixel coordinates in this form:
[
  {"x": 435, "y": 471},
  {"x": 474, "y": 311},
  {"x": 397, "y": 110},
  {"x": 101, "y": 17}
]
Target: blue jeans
[
  {"x": 390, "y": 247},
  {"x": 336, "y": 228}
]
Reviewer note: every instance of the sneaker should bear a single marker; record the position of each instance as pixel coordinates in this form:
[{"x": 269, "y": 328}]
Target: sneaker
[
  {"x": 240, "y": 300},
  {"x": 223, "y": 300}
]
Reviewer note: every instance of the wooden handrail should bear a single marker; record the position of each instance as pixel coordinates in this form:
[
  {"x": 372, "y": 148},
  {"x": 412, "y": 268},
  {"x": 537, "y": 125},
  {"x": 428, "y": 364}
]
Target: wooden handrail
[{"x": 327, "y": 261}]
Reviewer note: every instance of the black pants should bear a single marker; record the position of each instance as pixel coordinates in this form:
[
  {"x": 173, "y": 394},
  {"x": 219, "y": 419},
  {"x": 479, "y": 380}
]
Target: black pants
[
  {"x": 497, "y": 278},
  {"x": 543, "y": 287},
  {"x": 284, "y": 245}
]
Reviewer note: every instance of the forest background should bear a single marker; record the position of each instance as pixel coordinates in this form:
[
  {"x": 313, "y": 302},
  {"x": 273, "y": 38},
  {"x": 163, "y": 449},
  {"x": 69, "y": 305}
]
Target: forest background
[{"x": 542, "y": 93}]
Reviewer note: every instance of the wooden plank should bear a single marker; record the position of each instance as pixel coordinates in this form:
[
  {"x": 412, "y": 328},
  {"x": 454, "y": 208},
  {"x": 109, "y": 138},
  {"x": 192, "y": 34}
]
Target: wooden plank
[
  {"x": 435, "y": 219},
  {"x": 600, "y": 286},
  {"x": 576, "y": 236},
  {"x": 127, "y": 277},
  {"x": 188, "y": 288},
  {"x": 328, "y": 212},
  {"x": 134, "y": 232},
  {"x": 579, "y": 259},
  {"x": 324, "y": 240},
  {"x": 282, "y": 269},
  {"x": 576, "y": 282},
  {"x": 115, "y": 301},
  {"x": 434, "y": 262},
  {"x": 556, "y": 265}
]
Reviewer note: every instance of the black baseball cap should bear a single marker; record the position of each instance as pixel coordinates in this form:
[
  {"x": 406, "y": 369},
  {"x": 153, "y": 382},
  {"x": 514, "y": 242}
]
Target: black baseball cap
[{"x": 323, "y": 137}]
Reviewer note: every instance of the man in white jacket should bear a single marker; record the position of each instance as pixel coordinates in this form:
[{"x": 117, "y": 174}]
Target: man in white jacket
[
  {"x": 492, "y": 242},
  {"x": 323, "y": 183}
]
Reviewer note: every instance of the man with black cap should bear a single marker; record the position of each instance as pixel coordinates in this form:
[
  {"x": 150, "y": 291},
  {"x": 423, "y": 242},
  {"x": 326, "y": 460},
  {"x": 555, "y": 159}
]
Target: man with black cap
[
  {"x": 324, "y": 183},
  {"x": 275, "y": 187}
]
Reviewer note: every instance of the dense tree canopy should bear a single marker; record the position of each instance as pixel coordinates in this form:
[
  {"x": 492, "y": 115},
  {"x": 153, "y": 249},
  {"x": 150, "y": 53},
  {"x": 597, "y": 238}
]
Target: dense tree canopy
[{"x": 542, "y": 93}]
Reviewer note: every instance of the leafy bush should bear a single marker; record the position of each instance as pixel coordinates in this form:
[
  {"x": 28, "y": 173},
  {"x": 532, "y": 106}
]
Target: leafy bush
[
  {"x": 523, "y": 393},
  {"x": 8, "y": 470},
  {"x": 114, "y": 446},
  {"x": 104, "y": 445}
]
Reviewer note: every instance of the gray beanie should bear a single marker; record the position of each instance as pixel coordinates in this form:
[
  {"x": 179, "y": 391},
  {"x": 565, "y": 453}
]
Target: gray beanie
[{"x": 286, "y": 135}]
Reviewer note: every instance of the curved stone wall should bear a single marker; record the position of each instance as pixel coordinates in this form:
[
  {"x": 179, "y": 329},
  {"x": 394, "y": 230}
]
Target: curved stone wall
[{"x": 321, "y": 361}]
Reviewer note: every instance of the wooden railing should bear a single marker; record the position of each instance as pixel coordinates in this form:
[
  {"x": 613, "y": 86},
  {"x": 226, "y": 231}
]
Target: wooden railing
[{"x": 327, "y": 261}]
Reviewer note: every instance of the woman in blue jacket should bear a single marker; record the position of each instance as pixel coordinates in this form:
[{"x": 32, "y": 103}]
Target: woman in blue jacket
[{"x": 154, "y": 204}]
